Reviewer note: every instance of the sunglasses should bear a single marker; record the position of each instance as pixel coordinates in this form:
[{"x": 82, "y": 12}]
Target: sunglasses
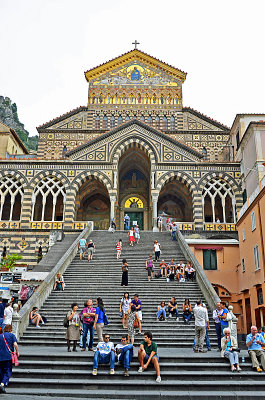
[{"x": 107, "y": 337}]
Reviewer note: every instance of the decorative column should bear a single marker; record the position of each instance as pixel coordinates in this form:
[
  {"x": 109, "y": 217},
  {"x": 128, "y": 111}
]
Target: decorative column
[
  {"x": 155, "y": 200},
  {"x": 198, "y": 210},
  {"x": 112, "y": 209},
  {"x": 69, "y": 209},
  {"x": 26, "y": 208},
  {"x": 115, "y": 179},
  {"x": 153, "y": 180}
]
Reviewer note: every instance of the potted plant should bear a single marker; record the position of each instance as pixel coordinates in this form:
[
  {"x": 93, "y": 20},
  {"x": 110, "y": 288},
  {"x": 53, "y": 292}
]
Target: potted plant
[{"x": 8, "y": 262}]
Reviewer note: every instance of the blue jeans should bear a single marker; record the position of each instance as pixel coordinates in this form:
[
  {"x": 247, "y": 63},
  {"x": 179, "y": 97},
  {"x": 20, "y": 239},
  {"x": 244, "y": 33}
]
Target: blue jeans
[
  {"x": 159, "y": 312},
  {"x": 187, "y": 317},
  {"x": 104, "y": 359},
  {"x": 219, "y": 334},
  {"x": 1, "y": 321},
  {"x": 207, "y": 340},
  {"x": 5, "y": 371},
  {"x": 174, "y": 235},
  {"x": 126, "y": 356},
  {"x": 86, "y": 328}
]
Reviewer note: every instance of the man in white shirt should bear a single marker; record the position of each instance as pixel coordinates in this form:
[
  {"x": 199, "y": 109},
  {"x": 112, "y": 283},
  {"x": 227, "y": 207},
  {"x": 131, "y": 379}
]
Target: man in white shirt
[
  {"x": 201, "y": 321},
  {"x": 124, "y": 352},
  {"x": 104, "y": 354},
  {"x": 8, "y": 314}
]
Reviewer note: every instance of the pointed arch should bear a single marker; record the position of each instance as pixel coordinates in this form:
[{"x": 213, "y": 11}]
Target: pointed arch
[{"x": 137, "y": 141}]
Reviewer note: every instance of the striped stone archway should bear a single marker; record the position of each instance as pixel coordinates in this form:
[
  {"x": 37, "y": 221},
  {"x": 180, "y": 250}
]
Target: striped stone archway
[
  {"x": 139, "y": 143},
  {"x": 76, "y": 185},
  {"x": 186, "y": 180}
]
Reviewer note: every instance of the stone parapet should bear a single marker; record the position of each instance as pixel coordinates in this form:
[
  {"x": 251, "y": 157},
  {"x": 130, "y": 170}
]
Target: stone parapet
[{"x": 43, "y": 291}]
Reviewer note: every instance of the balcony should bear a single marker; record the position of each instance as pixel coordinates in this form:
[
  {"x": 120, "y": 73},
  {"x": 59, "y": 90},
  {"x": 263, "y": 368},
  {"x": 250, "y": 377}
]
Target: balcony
[{"x": 219, "y": 227}]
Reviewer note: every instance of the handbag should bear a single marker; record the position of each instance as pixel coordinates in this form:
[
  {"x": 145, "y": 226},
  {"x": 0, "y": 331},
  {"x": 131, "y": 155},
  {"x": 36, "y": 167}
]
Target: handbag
[
  {"x": 121, "y": 314},
  {"x": 14, "y": 357},
  {"x": 105, "y": 318},
  {"x": 66, "y": 322}
]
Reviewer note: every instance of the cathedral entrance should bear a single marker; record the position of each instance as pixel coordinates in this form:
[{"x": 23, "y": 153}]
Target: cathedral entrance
[
  {"x": 134, "y": 187},
  {"x": 93, "y": 204},
  {"x": 175, "y": 202}
]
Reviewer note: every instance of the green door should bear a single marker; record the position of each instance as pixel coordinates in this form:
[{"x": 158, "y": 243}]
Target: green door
[{"x": 137, "y": 216}]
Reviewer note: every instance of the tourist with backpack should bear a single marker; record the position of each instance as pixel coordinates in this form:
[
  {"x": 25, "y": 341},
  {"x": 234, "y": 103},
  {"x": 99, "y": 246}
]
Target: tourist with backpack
[
  {"x": 149, "y": 265},
  {"x": 100, "y": 316},
  {"x": 88, "y": 313},
  {"x": 74, "y": 327},
  {"x": 90, "y": 249},
  {"x": 82, "y": 246},
  {"x": 8, "y": 345},
  {"x": 132, "y": 317}
]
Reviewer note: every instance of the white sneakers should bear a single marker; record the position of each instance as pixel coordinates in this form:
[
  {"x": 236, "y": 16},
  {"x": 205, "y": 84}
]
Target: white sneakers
[
  {"x": 158, "y": 379},
  {"x": 140, "y": 370}
]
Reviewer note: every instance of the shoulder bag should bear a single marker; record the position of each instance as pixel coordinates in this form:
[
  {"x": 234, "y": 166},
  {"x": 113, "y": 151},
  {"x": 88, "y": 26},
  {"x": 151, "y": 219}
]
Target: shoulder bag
[
  {"x": 14, "y": 357},
  {"x": 105, "y": 318}
]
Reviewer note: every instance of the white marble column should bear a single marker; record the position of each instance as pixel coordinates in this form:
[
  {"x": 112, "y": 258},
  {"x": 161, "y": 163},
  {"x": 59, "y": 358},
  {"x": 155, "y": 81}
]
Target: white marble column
[
  {"x": 115, "y": 179},
  {"x": 153, "y": 180},
  {"x": 154, "y": 200}
]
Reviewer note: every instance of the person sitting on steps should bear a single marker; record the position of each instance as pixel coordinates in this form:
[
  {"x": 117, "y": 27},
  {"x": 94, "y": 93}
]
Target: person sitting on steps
[
  {"x": 148, "y": 353},
  {"x": 187, "y": 314},
  {"x": 105, "y": 354},
  {"x": 161, "y": 312},
  {"x": 124, "y": 353},
  {"x": 173, "y": 308}
]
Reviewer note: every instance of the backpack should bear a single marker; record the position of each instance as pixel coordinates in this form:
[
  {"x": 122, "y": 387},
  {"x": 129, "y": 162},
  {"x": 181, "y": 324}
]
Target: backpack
[{"x": 105, "y": 318}]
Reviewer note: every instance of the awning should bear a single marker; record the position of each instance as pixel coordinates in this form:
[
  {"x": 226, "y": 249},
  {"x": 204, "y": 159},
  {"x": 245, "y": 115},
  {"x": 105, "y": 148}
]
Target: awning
[{"x": 208, "y": 247}]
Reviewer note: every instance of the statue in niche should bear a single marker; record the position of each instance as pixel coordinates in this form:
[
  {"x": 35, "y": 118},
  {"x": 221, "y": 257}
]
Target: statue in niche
[
  {"x": 123, "y": 99},
  {"x": 101, "y": 99},
  {"x": 154, "y": 99},
  {"x": 139, "y": 99},
  {"x": 108, "y": 99},
  {"x": 93, "y": 99},
  {"x": 135, "y": 75},
  {"x": 161, "y": 100}
]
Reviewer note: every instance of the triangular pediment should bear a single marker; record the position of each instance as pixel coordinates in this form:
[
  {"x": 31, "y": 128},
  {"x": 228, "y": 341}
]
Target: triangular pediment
[
  {"x": 162, "y": 148},
  {"x": 74, "y": 119},
  {"x": 135, "y": 67}
]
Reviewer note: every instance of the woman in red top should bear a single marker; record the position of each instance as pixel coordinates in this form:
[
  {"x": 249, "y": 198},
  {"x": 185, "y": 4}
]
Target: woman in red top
[{"x": 119, "y": 248}]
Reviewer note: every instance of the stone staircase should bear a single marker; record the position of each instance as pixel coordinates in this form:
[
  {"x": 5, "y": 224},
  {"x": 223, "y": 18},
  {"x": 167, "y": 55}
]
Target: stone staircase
[{"x": 47, "y": 369}]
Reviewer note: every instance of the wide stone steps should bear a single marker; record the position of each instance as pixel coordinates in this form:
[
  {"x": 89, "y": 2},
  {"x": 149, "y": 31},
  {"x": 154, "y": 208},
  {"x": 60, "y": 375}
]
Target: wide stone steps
[{"x": 47, "y": 369}]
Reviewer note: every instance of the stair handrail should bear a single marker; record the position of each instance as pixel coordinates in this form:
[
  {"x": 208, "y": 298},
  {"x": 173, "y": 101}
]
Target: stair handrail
[
  {"x": 205, "y": 285},
  {"x": 20, "y": 320}
]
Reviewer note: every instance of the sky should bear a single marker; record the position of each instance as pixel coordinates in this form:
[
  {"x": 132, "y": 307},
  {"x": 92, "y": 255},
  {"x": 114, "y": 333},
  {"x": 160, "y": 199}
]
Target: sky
[{"x": 46, "y": 45}]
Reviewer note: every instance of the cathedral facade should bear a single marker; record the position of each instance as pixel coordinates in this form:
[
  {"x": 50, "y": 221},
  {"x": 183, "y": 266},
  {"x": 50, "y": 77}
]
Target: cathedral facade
[{"x": 134, "y": 149}]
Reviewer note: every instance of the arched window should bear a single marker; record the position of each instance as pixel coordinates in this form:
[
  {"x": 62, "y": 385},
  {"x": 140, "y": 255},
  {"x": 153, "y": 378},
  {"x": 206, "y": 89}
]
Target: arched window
[
  {"x": 157, "y": 122},
  {"x": 112, "y": 122},
  {"x": 150, "y": 120},
  {"x": 172, "y": 123},
  {"x": 120, "y": 120},
  {"x": 11, "y": 197},
  {"x": 165, "y": 123},
  {"x": 105, "y": 122},
  {"x": 142, "y": 118},
  {"x": 48, "y": 200},
  {"x": 97, "y": 123},
  {"x": 219, "y": 202}
]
